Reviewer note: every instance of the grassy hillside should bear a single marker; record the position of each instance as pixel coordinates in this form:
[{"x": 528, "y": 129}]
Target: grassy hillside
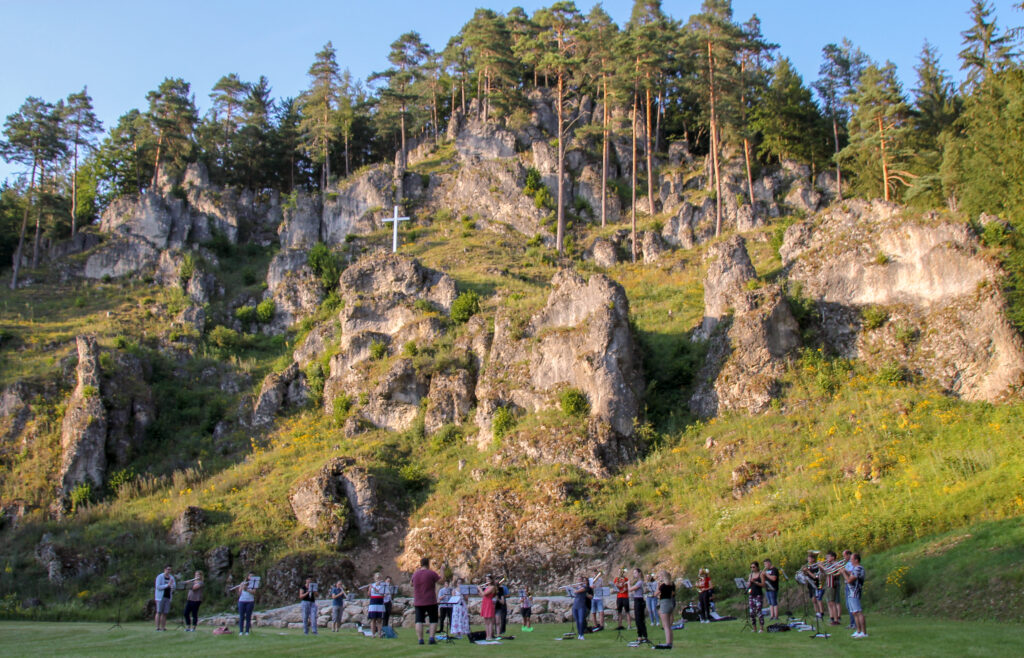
[{"x": 930, "y": 488}]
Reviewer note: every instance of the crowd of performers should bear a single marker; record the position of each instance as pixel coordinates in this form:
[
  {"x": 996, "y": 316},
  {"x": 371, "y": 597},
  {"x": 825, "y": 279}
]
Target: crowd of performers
[{"x": 638, "y": 597}]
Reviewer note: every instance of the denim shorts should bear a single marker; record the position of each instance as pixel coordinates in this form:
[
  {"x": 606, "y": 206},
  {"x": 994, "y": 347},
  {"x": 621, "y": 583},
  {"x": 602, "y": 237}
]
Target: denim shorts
[
  {"x": 597, "y": 605},
  {"x": 853, "y": 604},
  {"x": 666, "y": 606},
  {"x": 772, "y": 596}
]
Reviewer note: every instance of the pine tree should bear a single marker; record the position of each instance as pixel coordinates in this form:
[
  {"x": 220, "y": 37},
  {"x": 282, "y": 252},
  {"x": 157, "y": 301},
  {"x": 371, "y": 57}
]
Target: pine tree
[
  {"x": 488, "y": 45},
  {"x": 840, "y": 72},
  {"x": 986, "y": 50},
  {"x": 560, "y": 37},
  {"x": 124, "y": 158},
  {"x": 172, "y": 115},
  {"x": 252, "y": 153},
  {"x": 81, "y": 125},
  {"x": 399, "y": 96},
  {"x": 788, "y": 119},
  {"x": 318, "y": 106},
  {"x": 31, "y": 138},
  {"x": 754, "y": 52},
  {"x": 936, "y": 108},
  {"x": 598, "y": 40},
  {"x": 879, "y": 130}
]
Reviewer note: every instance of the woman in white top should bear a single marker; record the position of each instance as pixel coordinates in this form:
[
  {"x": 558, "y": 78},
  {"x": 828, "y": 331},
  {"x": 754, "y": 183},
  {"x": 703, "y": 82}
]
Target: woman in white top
[
  {"x": 246, "y": 602},
  {"x": 375, "y": 612}
]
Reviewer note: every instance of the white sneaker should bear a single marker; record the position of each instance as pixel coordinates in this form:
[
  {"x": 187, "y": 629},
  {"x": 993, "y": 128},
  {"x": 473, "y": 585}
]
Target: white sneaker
[
  {"x": 579, "y": 637},
  {"x": 855, "y": 634},
  {"x": 240, "y": 633}
]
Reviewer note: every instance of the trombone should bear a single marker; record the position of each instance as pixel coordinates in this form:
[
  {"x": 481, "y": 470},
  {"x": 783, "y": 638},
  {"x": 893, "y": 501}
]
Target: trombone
[{"x": 834, "y": 568}]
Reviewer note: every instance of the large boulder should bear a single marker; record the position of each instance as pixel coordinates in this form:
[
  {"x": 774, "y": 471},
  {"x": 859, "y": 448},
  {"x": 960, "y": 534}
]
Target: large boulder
[
  {"x": 729, "y": 269},
  {"x": 491, "y": 191},
  {"x": 294, "y": 288},
  {"x": 83, "y": 437},
  {"x": 450, "y": 398},
  {"x": 484, "y": 141},
  {"x": 286, "y": 576},
  {"x": 189, "y": 522},
  {"x": 337, "y": 494},
  {"x": 279, "y": 390},
  {"x": 747, "y": 355},
  {"x": 130, "y": 405},
  {"x": 581, "y": 339},
  {"x": 947, "y": 317},
  {"x": 349, "y": 209}
]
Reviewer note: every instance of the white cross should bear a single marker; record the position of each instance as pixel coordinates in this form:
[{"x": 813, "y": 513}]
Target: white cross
[{"x": 394, "y": 238}]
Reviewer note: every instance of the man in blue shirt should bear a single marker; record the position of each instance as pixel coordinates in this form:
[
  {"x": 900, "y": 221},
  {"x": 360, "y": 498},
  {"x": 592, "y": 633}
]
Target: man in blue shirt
[{"x": 853, "y": 573}]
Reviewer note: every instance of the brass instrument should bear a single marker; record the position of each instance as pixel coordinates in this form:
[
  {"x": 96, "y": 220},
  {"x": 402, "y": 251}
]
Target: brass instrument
[{"x": 834, "y": 568}]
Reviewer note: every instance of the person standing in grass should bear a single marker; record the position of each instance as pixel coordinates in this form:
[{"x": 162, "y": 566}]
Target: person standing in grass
[
  {"x": 375, "y": 611},
  {"x": 583, "y": 596},
  {"x": 487, "y": 594},
  {"x": 635, "y": 587},
  {"x": 833, "y": 589},
  {"x": 192, "y": 602},
  {"x": 424, "y": 598},
  {"x": 162, "y": 591},
  {"x": 621, "y": 583},
  {"x": 651, "y": 595},
  {"x": 337, "y": 594},
  {"x": 771, "y": 588},
  {"x": 666, "y": 605},
  {"x": 755, "y": 596},
  {"x": 846, "y": 556},
  {"x": 526, "y": 609},
  {"x": 853, "y": 573},
  {"x": 444, "y": 608},
  {"x": 704, "y": 595},
  {"x": 307, "y": 594},
  {"x": 460, "y": 611},
  {"x": 388, "y": 588},
  {"x": 246, "y": 602},
  {"x": 597, "y": 602}
]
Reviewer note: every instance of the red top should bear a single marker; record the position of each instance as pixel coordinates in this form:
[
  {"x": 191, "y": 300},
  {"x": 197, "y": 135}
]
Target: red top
[
  {"x": 623, "y": 585},
  {"x": 704, "y": 583},
  {"x": 423, "y": 583}
]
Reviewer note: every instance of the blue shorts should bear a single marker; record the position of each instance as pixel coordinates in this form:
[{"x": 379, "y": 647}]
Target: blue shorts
[
  {"x": 773, "y": 597},
  {"x": 597, "y": 605},
  {"x": 853, "y": 604},
  {"x": 818, "y": 594}
]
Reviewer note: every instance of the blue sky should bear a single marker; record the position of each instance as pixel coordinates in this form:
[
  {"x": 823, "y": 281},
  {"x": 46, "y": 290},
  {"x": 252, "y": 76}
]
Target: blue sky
[{"x": 122, "y": 49}]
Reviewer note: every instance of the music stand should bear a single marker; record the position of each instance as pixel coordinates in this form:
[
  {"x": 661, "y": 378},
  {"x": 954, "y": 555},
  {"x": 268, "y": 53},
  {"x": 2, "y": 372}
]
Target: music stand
[
  {"x": 314, "y": 587},
  {"x": 741, "y": 585},
  {"x": 116, "y": 580},
  {"x": 687, "y": 584},
  {"x": 254, "y": 582}
]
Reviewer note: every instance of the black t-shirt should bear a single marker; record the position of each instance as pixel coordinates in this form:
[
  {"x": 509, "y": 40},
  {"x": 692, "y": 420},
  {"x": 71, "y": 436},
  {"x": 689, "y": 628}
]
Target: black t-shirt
[
  {"x": 666, "y": 591},
  {"x": 167, "y": 592},
  {"x": 310, "y": 596},
  {"x": 755, "y": 588},
  {"x": 769, "y": 584}
]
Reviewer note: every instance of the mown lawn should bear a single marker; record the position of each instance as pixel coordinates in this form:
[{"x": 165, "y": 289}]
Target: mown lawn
[{"x": 891, "y": 636}]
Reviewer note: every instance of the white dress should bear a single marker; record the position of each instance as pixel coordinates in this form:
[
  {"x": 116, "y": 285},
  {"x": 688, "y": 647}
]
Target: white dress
[{"x": 460, "y": 615}]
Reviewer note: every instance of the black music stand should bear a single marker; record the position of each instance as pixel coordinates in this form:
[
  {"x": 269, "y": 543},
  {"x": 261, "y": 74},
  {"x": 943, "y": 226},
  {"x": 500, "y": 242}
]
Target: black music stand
[{"x": 741, "y": 585}]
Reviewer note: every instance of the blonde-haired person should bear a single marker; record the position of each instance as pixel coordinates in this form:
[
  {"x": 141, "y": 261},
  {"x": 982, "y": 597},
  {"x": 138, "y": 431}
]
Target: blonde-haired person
[
  {"x": 375, "y": 611},
  {"x": 666, "y": 606}
]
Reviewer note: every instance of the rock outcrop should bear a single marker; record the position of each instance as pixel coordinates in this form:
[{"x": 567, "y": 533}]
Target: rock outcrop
[
  {"x": 189, "y": 522},
  {"x": 581, "y": 339},
  {"x": 747, "y": 354},
  {"x": 946, "y": 316},
  {"x": 83, "y": 436},
  {"x": 729, "y": 269},
  {"x": 280, "y": 389},
  {"x": 339, "y": 493}
]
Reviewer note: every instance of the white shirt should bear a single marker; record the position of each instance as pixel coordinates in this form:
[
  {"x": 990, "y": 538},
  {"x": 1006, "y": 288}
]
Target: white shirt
[{"x": 162, "y": 583}]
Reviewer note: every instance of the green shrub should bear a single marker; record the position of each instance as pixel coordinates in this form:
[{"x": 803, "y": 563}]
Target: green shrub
[
  {"x": 246, "y": 314},
  {"x": 81, "y": 495},
  {"x": 995, "y": 234},
  {"x": 906, "y": 333},
  {"x": 542, "y": 198},
  {"x": 378, "y": 350},
  {"x": 409, "y": 349},
  {"x": 188, "y": 268},
  {"x": 120, "y": 478},
  {"x": 423, "y": 305},
  {"x": 465, "y": 306},
  {"x": 502, "y": 422},
  {"x": 249, "y": 276},
  {"x": 533, "y": 182},
  {"x": 265, "y": 311},
  {"x": 90, "y": 391},
  {"x": 574, "y": 402},
  {"x": 447, "y": 436},
  {"x": 325, "y": 265},
  {"x": 414, "y": 477},
  {"x": 891, "y": 373},
  {"x": 224, "y": 338},
  {"x": 342, "y": 407},
  {"x": 120, "y": 342},
  {"x": 881, "y": 259},
  {"x": 332, "y": 302},
  {"x": 315, "y": 379},
  {"x": 873, "y": 317}
]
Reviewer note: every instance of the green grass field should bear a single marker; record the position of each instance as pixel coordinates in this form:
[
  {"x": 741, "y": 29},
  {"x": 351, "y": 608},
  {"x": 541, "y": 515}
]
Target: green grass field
[{"x": 892, "y": 636}]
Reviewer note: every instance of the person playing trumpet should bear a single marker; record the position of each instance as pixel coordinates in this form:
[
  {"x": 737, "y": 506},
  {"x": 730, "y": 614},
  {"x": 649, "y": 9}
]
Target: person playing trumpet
[
  {"x": 812, "y": 570},
  {"x": 771, "y": 588},
  {"x": 246, "y": 603},
  {"x": 193, "y": 600},
  {"x": 704, "y": 586},
  {"x": 833, "y": 587},
  {"x": 375, "y": 611},
  {"x": 582, "y": 601}
]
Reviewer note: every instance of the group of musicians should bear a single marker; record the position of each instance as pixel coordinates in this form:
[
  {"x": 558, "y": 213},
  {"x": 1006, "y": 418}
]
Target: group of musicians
[
  {"x": 831, "y": 580},
  {"x": 651, "y": 595}
]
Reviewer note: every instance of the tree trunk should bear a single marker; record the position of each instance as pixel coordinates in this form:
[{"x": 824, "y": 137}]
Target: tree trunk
[
  {"x": 433, "y": 93},
  {"x": 657, "y": 121},
  {"x": 16, "y": 265},
  {"x": 632, "y": 239},
  {"x": 74, "y": 188},
  {"x": 39, "y": 217},
  {"x": 401, "y": 160},
  {"x": 746, "y": 148},
  {"x": 560, "y": 232},
  {"x": 839, "y": 173},
  {"x": 604, "y": 156},
  {"x": 650, "y": 155},
  {"x": 156, "y": 160},
  {"x": 885, "y": 165},
  {"x": 714, "y": 143},
  {"x": 347, "y": 164}
]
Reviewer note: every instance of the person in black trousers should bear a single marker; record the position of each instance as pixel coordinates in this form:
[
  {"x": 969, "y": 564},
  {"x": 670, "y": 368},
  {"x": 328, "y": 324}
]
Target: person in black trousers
[
  {"x": 193, "y": 601},
  {"x": 636, "y": 592},
  {"x": 501, "y": 609}
]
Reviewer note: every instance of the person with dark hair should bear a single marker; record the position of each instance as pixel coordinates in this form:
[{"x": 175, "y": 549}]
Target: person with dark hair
[
  {"x": 621, "y": 583},
  {"x": 526, "y": 609},
  {"x": 704, "y": 595},
  {"x": 337, "y": 594},
  {"x": 651, "y": 596},
  {"x": 771, "y": 588},
  {"x": 597, "y": 602},
  {"x": 460, "y": 612},
  {"x": 635, "y": 587},
  {"x": 375, "y": 611},
  {"x": 583, "y": 595},
  {"x": 812, "y": 570},
  {"x": 854, "y": 574},
  {"x": 666, "y": 605},
  {"x": 388, "y": 588},
  {"x": 755, "y": 597},
  {"x": 833, "y": 586},
  {"x": 500, "y": 609},
  {"x": 246, "y": 603},
  {"x": 307, "y": 595},
  {"x": 487, "y": 594},
  {"x": 444, "y": 607},
  {"x": 193, "y": 600},
  {"x": 163, "y": 590},
  {"x": 424, "y": 598}
]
